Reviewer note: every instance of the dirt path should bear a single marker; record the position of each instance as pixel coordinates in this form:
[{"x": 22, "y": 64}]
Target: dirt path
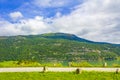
[{"x": 55, "y": 69}]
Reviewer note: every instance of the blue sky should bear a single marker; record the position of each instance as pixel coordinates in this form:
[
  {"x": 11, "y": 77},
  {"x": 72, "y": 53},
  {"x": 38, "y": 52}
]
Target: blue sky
[
  {"x": 96, "y": 20},
  {"x": 31, "y": 8}
]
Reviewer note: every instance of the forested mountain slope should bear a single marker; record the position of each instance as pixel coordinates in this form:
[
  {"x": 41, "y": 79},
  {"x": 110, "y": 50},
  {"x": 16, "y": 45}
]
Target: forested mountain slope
[{"x": 55, "y": 47}]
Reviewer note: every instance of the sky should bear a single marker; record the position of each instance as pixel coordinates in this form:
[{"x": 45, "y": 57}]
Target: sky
[{"x": 96, "y": 20}]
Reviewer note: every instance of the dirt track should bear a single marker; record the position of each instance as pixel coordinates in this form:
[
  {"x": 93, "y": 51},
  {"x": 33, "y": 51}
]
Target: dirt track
[{"x": 55, "y": 69}]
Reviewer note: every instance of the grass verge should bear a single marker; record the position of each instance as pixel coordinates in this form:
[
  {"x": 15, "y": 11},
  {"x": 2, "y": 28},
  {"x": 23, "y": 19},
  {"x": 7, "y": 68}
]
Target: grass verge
[{"x": 60, "y": 76}]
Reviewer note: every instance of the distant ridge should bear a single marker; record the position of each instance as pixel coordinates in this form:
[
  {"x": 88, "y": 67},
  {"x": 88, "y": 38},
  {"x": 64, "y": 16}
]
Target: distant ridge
[
  {"x": 65, "y": 36},
  {"x": 68, "y": 36},
  {"x": 59, "y": 35}
]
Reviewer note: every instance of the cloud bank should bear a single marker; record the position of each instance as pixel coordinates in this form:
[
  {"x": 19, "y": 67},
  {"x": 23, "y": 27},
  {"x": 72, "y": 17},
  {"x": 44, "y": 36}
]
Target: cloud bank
[{"x": 95, "y": 20}]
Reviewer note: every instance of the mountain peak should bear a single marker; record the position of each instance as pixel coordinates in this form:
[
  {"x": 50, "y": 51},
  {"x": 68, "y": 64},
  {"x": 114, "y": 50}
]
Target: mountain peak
[{"x": 64, "y": 36}]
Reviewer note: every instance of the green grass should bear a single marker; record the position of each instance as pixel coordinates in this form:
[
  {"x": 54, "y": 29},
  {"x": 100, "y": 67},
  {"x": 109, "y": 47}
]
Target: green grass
[
  {"x": 60, "y": 76},
  {"x": 115, "y": 63},
  {"x": 27, "y": 64},
  {"x": 17, "y": 64}
]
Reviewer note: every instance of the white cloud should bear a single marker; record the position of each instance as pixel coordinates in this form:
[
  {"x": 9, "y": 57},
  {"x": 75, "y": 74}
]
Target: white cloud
[
  {"x": 43, "y": 3},
  {"x": 34, "y": 26},
  {"x": 96, "y": 20},
  {"x": 15, "y": 15},
  {"x": 24, "y": 27},
  {"x": 8, "y": 29},
  {"x": 58, "y": 14}
]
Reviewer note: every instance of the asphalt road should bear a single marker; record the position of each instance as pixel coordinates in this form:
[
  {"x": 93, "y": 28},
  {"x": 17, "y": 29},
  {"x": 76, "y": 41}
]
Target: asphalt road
[{"x": 55, "y": 69}]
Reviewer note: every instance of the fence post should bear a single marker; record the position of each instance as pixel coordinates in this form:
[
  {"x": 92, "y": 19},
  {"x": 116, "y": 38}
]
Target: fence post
[
  {"x": 45, "y": 69},
  {"x": 117, "y": 71},
  {"x": 104, "y": 64},
  {"x": 78, "y": 71}
]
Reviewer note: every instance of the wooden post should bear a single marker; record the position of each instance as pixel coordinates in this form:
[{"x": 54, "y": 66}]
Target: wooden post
[
  {"x": 44, "y": 68},
  {"x": 78, "y": 71},
  {"x": 117, "y": 71},
  {"x": 104, "y": 64}
]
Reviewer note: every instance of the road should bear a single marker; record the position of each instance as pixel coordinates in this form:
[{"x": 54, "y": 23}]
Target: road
[{"x": 54, "y": 69}]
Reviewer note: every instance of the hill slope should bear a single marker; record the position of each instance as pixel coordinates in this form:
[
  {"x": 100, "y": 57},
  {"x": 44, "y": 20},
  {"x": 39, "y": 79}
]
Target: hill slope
[{"x": 55, "y": 47}]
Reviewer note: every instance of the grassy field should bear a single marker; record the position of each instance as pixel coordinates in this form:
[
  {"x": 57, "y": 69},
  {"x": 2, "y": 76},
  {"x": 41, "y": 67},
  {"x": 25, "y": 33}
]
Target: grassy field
[
  {"x": 27, "y": 64},
  {"x": 60, "y": 76},
  {"x": 115, "y": 63}
]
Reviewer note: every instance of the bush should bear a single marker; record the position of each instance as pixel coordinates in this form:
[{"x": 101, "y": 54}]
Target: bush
[{"x": 80, "y": 64}]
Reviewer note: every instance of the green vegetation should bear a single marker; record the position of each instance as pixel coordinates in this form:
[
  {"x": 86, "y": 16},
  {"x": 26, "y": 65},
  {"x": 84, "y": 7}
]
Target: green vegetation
[
  {"x": 28, "y": 64},
  {"x": 79, "y": 64},
  {"x": 60, "y": 76},
  {"x": 56, "y": 48},
  {"x": 114, "y": 63},
  {"x": 58, "y": 64}
]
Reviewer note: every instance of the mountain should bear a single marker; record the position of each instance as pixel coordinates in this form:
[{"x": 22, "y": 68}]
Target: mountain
[
  {"x": 68, "y": 37},
  {"x": 64, "y": 36},
  {"x": 55, "y": 47}
]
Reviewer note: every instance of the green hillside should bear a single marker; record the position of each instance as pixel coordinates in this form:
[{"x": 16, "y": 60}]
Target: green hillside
[{"x": 55, "y": 47}]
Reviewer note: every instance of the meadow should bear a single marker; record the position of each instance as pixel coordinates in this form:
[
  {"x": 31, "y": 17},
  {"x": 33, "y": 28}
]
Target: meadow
[
  {"x": 60, "y": 76},
  {"x": 115, "y": 63}
]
